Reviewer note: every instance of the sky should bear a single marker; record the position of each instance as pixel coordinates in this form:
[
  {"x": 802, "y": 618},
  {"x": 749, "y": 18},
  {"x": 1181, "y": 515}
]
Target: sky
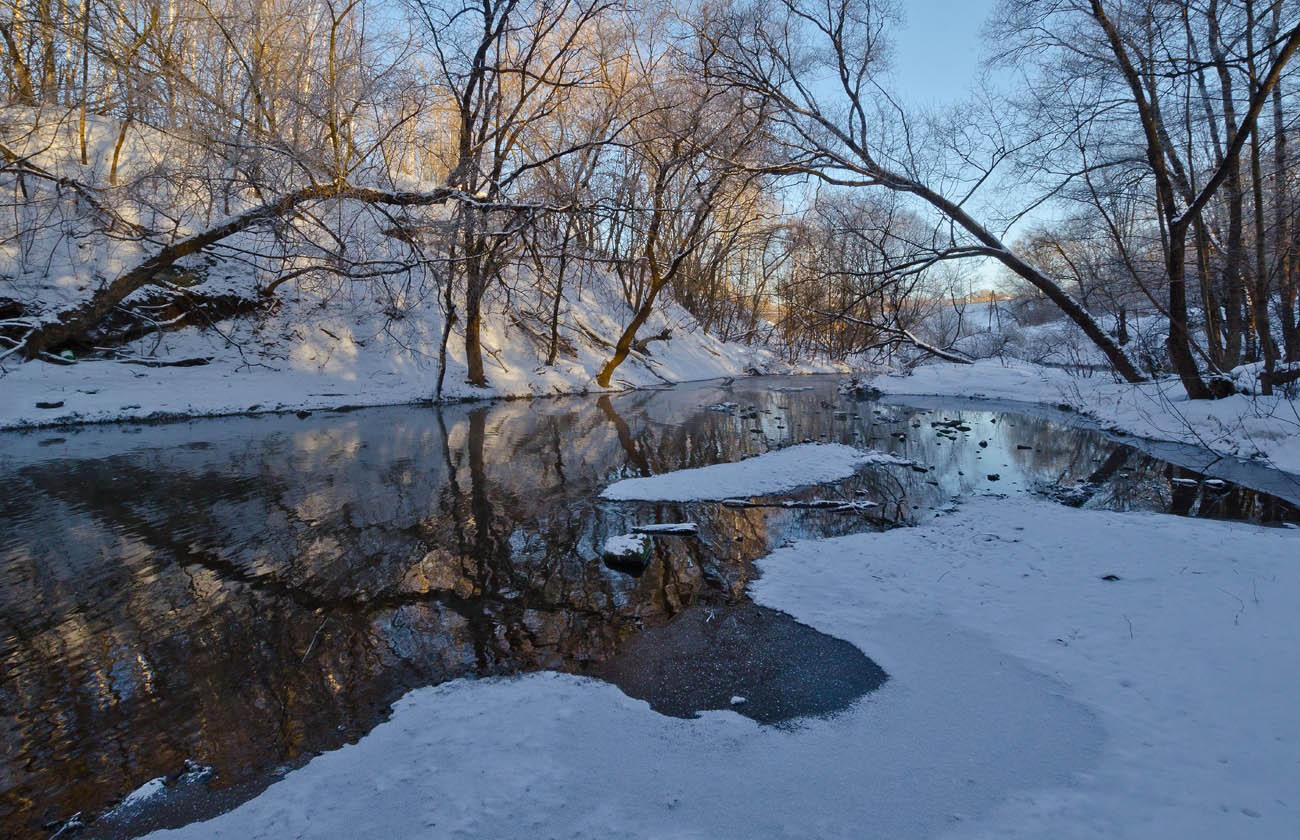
[
  {"x": 937, "y": 51},
  {"x": 937, "y": 57}
]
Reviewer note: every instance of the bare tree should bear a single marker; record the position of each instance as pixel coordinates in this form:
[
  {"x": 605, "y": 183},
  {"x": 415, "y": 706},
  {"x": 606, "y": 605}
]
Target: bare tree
[
  {"x": 1135, "y": 79},
  {"x": 683, "y": 163},
  {"x": 505, "y": 65},
  {"x": 841, "y": 132}
]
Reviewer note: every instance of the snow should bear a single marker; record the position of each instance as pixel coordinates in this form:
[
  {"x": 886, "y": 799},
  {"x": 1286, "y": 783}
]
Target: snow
[
  {"x": 145, "y": 792},
  {"x": 1267, "y": 428},
  {"x": 772, "y": 472},
  {"x": 1189, "y": 660},
  {"x": 305, "y": 357},
  {"x": 1027, "y": 697},
  {"x": 627, "y": 545},
  {"x": 672, "y": 528}
]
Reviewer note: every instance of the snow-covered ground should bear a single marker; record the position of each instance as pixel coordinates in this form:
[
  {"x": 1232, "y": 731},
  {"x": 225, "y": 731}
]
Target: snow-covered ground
[
  {"x": 1267, "y": 428},
  {"x": 305, "y": 357},
  {"x": 1028, "y": 696}
]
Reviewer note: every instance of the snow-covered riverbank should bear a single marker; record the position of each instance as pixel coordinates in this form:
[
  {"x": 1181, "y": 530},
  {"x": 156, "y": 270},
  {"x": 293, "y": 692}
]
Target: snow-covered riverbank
[
  {"x": 304, "y": 359},
  {"x": 1028, "y": 696},
  {"x": 1247, "y": 427}
]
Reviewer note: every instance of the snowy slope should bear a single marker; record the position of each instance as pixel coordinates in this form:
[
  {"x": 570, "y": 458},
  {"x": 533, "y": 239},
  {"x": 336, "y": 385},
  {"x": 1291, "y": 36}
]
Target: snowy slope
[
  {"x": 310, "y": 357},
  {"x": 323, "y": 340}
]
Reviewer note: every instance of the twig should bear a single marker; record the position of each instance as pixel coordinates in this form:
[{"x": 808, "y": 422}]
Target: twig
[{"x": 313, "y": 640}]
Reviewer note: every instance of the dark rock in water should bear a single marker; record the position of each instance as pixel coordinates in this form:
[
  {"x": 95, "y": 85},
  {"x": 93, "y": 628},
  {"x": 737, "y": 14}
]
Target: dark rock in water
[
  {"x": 984, "y": 444},
  {"x": 993, "y": 476},
  {"x": 1110, "y": 577},
  {"x": 859, "y": 390},
  {"x": 303, "y": 415},
  {"x": 708, "y": 655},
  {"x": 1071, "y": 496},
  {"x": 58, "y": 404},
  {"x": 627, "y": 553},
  {"x": 1023, "y": 446}
]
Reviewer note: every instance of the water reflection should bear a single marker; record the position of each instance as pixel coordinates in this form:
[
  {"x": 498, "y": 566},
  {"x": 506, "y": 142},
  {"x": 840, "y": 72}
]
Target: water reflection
[{"x": 242, "y": 593}]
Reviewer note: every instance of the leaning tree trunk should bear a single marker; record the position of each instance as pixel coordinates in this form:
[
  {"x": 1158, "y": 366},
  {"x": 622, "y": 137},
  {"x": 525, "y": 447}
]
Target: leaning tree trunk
[
  {"x": 1074, "y": 310},
  {"x": 74, "y": 324},
  {"x": 624, "y": 345}
]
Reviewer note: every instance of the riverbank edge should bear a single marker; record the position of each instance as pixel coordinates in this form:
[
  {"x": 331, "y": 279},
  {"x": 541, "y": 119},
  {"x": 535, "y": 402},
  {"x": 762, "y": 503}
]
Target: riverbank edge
[{"x": 1242, "y": 429}]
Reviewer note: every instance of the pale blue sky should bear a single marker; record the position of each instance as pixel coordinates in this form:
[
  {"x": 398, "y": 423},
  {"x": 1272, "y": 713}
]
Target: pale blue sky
[
  {"x": 936, "y": 60},
  {"x": 937, "y": 51}
]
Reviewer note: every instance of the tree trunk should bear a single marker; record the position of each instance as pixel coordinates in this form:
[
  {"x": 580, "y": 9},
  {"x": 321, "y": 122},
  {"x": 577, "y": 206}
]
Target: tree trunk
[
  {"x": 85, "y": 76},
  {"x": 1263, "y": 292},
  {"x": 473, "y": 344},
  {"x": 1214, "y": 328},
  {"x": 553, "y": 350},
  {"x": 1233, "y": 285},
  {"x": 1286, "y": 279},
  {"x": 23, "y": 93},
  {"x": 624, "y": 344},
  {"x": 1231, "y": 282},
  {"x": 475, "y": 261},
  {"x": 1179, "y": 342}
]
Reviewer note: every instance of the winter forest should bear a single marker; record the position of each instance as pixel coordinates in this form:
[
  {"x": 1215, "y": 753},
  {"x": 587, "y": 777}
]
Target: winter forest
[
  {"x": 494, "y": 418},
  {"x": 190, "y": 162}
]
